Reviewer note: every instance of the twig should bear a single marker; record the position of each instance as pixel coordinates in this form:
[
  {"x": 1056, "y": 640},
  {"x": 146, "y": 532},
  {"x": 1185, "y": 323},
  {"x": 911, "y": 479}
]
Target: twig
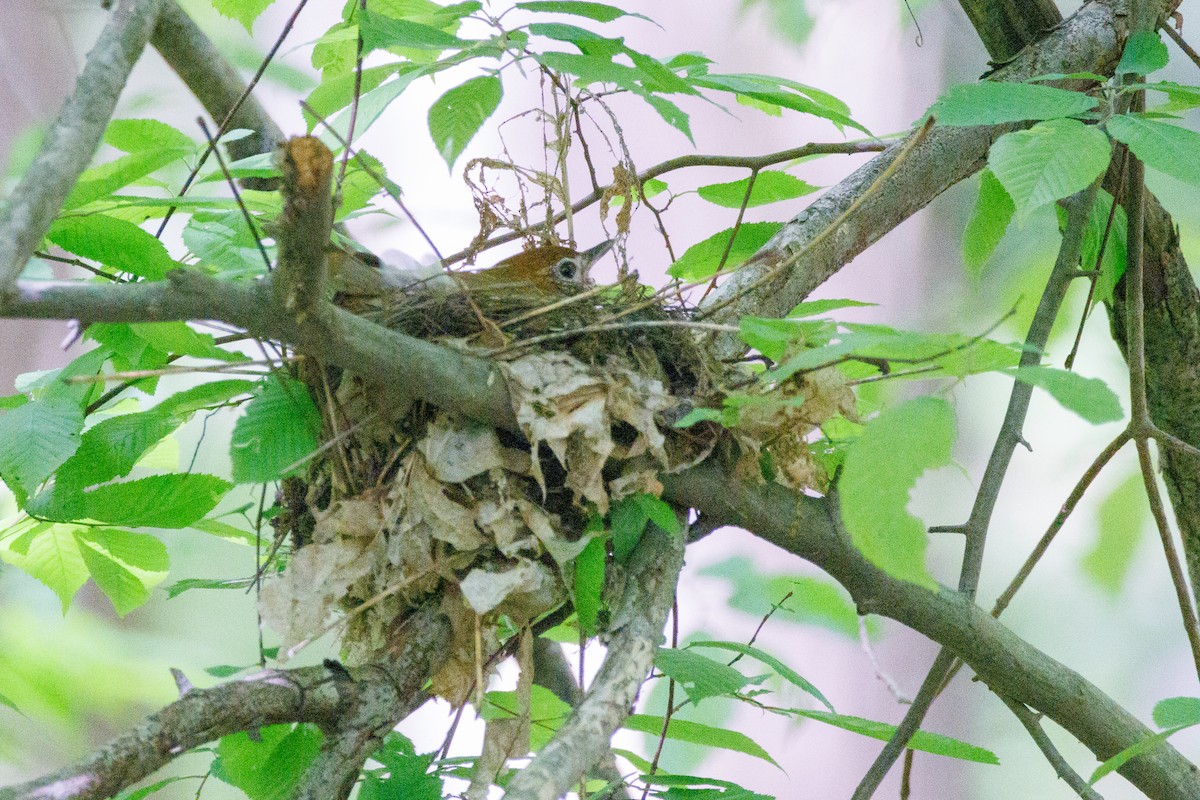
[
  {"x": 1188, "y": 50},
  {"x": 683, "y": 162},
  {"x": 1061, "y": 767},
  {"x": 72, "y": 139}
]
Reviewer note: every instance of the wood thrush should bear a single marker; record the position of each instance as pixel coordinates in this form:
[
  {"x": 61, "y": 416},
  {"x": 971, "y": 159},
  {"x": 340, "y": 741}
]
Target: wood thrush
[{"x": 543, "y": 272}]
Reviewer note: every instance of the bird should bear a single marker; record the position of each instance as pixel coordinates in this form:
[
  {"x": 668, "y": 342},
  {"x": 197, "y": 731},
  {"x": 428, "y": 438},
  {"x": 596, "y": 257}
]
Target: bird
[{"x": 544, "y": 272}]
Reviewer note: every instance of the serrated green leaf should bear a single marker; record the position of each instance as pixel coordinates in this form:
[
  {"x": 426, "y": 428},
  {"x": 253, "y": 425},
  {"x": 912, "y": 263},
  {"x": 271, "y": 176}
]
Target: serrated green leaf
[
  {"x": 35, "y": 439},
  {"x": 137, "y": 135},
  {"x": 699, "y": 676},
  {"x": 1112, "y": 263},
  {"x": 591, "y": 69},
  {"x": 50, "y": 554},
  {"x": 101, "y": 181},
  {"x": 160, "y": 501},
  {"x": 267, "y": 766},
  {"x": 1048, "y": 162},
  {"x": 223, "y": 530},
  {"x": 179, "y": 338},
  {"x": 222, "y": 242},
  {"x": 125, "y": 565},
  {"x": 1164, "y": 147},
  {"x": 895, "y": 449},
  {"x": 696, "y": 733},
  {"x": 989, "y": 220},
  {"x": 206, "y": 395},
  {"x": 381, "y": 31},
  {"x": 457, "y": 115},
  {"x": 999, "y": 103},
  {"x": 1090, "y": 398},
  {"x": 672, "y": 114},
  {"x": 601, "y": 12},
  {"x": 114, "y": 243},
  {"x": 1123, "y": 514},
  {"x": 700, "y": 261},
  {"x": 588, "y": 586},
  {"x": 921, "y": 740},
  {"x": 781, "y": 669},
  {"x": 771, "y": 186},
  {"x": 280, "y": 428},
  {"x": 109, "y": 449},
  {"x": 337, "y": 90},
  {"x": 244, "y": 11},
  {"x": 1144, "y": 53}
]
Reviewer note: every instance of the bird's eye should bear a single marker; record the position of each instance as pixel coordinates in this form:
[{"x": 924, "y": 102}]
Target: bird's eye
[{"x": 565, "y": 269}]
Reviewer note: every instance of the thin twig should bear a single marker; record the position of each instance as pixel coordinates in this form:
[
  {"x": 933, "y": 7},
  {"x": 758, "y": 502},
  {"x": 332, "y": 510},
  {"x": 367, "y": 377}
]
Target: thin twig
[
  {"x": 1032, "y": 724},
  {"x": 237, "y": 196}
]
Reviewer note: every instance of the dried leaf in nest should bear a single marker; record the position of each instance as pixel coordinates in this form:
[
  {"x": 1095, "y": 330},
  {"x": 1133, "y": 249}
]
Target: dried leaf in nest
[
  {"x": 299, "y": 602},
  {"x": 783, "y": 424},
  {"x": 571, "y": 408},
  {"x": 457, "y": 677}
]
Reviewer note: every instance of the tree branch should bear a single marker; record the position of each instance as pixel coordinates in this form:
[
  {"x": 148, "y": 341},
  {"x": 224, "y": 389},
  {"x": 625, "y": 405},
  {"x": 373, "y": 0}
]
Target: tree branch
[
  {"x": 583, "y": 740},
  {"x": 304, "y": 228},
  {"x": 218, "y": 87},
  {"x": 72, "y": 139},
  {"x": 1061, "y": 768},
  {"x": 270, "y": 697},
  {"x": 1091, "y": 40},
  {"x": 1009, "y": 665}
]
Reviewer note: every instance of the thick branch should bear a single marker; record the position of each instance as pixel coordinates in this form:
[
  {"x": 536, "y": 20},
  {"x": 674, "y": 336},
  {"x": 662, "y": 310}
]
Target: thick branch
[
  {"x": 402, "y": 366},
  {"x": 1009, "y": 665},
  {"x": 1006, "y": 26},
  {"x": 1091, "y": 40},
  {"x": 304, "y": 227},
  {"x": 213, "y": 81},
  {"x": 583, "y": 740},
  {"x": 72, "y": 140}
]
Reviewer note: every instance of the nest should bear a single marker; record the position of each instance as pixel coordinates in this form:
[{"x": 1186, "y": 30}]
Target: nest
[{"x": 407, "y": 504}]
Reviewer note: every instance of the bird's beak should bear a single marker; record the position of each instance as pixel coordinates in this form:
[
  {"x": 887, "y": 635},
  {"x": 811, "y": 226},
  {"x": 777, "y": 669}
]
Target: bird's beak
[{"x": 592, "y": 255}]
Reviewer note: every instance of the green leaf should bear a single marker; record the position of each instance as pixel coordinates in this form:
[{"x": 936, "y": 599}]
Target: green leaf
[
  {"x": 458, "y": 114},
  {"x": 35, "y": 439},
  {"x": 206, "y": 395},
  {"x": 628, "y": 517},
  {"x": 989, "y": 220},
  {"x": 601, "y": 12},
  {"x": 223, "y": 530},
  {"x": 1050, "y": 161},
  {"x": 1112, "y": 263},
  {"x": 408, "y": 774},
  {"x": 380, "y": 31},
  {"x": 280, "y": 427},
  {"x": 125, "y": 565},
  {"x": 700, "y": 261},
  {"x": 587, "y": 588},
  {"x": 546, "y": 712},
  {"x": 110, "y": 448},
  {"x": 50, "y": 554},
  {"x": 1090, "y": 398},
  {"x": 1123, "y": 515},
  {"x": 895, "y": 449},
  {"x": 1165, "y": 147},
  {"x": 101, "y": 181},
  {"x": 337, "y": 90},
  {"x": 244, "y": 11},
  {"x": 672, "y": 114},
  {"x": 1144, "y": 53},
  {"x": 774, "y": 337},
  {"x": 179, "y": 338},
  {"x": 699, "y": 676},
  {"x": 160, "y": 501},
  {"x": 811, "y": 308},
  {"x": 114, "y": 243},
  {"x": 1136, "y": 749},
  {"x": 922, "y": 740},
  {"x": 269, "y": 765},
  {"x": 771, "y": 186},
  {"x": 696, "y": 733},
  {"x": 138, "y": 135},
  {"x": 781, "y": 669},
  {"x": 222, "y": 242},
  {"x": 999, "y": 103},
  {"x": 1177, "y": 712}
]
